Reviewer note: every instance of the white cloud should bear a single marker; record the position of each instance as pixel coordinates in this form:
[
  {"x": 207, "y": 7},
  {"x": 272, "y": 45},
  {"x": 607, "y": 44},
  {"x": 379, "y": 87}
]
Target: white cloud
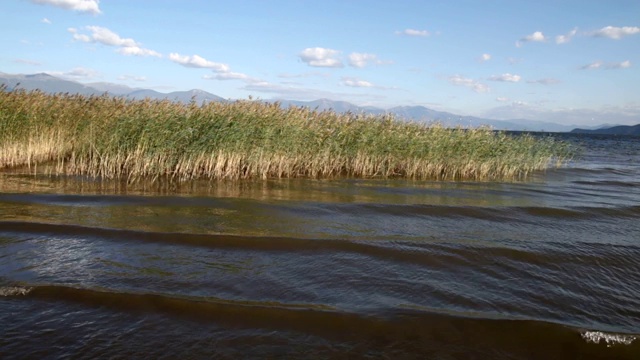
[
  {"x": 563, "y": 39},
  {"x": 502, "y": 99},
  {"x": 413, "y": 32},
  {"x": 506, "y": 78},
  {"x": 593, "y": 65},
  {"x": 107, "y": 37},
  {"x": 361, "y": 60},
  {"x": 138, "y": 51},
  {"x": 89, "y": 6},
  {"x": 484, "y": 57},
  {"x": 321, "y": 57},
  {"x": 613, "y": 32},
  {"x": 537, "y": 36},
  {"x": 45, "y": 21},
  {"x": 78, "y": 73},
  {"x": 621, "y": 65},
  {"x": 470, "y": 83},
  {"x": 229, "y": 76},
  {"x": 79, "y": 37},
  {"x": 600, "y": 64},
  {"x": 353, "y": 82},
  {"x": 546, "y": 81},
  {"x": 197, "y": 61},
  {"x": 132, "y": 78}
]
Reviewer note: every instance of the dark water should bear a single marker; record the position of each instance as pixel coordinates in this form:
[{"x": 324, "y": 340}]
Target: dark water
[{"x": 547, "y": 268}]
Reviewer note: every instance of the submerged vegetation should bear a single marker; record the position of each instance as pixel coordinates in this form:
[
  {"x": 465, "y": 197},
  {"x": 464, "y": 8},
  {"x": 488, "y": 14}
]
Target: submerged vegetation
[{"x": 113, "y": 137}]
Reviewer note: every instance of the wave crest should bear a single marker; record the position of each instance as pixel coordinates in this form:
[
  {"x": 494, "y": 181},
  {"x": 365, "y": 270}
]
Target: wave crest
[
  {"x": 610, "y": 339},
  {"x": 14, "y": 291}
]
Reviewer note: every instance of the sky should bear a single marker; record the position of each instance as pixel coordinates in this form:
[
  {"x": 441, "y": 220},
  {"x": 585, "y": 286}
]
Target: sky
[{"x": 563, "y": 61}]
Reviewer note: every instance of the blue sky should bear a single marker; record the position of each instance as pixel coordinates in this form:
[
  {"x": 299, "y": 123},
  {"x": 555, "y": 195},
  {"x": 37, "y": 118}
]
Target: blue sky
[{"x": 569, "y": 62}]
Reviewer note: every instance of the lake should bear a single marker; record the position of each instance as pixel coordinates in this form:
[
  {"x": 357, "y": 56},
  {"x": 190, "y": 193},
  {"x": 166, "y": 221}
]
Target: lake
[{"x": 547, "y": 267}]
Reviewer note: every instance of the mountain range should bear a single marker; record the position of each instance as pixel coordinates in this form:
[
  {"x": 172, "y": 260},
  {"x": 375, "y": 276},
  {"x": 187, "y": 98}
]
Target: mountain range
[
  {"x": 51, "y": 84},
  {"x": 614, "y": 130}
]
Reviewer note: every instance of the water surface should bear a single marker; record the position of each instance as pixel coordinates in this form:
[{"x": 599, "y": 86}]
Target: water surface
[{"x": 547, "y": 267}]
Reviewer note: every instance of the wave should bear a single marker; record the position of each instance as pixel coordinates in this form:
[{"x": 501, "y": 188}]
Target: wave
[
  {"x": 498, "y": 214},
  {"x": 419, "y": 252},
  {"x": 414, "y": 330}
]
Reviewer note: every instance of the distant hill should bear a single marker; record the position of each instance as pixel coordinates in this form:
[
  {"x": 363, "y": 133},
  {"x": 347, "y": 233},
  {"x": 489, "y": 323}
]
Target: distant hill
[
  {"x": 52, "y": 84},
  {"x": 615, "y": 130},
  {"x": 424, "y": 114},
  {"x": 46, "y": 83}
]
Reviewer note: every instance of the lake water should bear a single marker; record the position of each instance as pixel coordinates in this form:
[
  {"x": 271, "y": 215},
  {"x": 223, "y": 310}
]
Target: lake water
[{"x": 546, "y": 268}]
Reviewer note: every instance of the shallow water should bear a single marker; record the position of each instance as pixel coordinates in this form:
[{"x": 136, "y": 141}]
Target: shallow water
[{"x": 543, "y": 268}]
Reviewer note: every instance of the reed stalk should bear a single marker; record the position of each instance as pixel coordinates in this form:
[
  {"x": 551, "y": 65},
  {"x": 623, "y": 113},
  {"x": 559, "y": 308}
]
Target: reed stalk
[{"x": 114, "y": 137}]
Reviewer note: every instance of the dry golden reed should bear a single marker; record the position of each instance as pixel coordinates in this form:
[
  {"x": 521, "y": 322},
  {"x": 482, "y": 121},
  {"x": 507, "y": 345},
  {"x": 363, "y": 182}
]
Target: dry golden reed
[{"x": 114, "y": 137}]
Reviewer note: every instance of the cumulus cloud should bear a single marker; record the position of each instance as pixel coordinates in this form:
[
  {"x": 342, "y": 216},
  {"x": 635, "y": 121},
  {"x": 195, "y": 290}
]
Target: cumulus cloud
[
  {"x": 102, "y": 35},
  {"x": 537, "y": 36},
  {"x": 79, "y": 37},
  {"x": 602, "y": 65},
  {"x": 45, "y": 21},
  {"x": 107, "y": 37},
  {"x": 88, "y": 6},
  {"x": 470, "y": 83},
  {"x": 413, "y": 32},
  {"x": 563, "y": 39},
  {"x": 197, "y": 61},
  {"x": 506, "y": 78},
  {"x": 321, "y": 57},
  {"x": 616, "y": 33},
  {"x": 354, "y": 82},
  {"x": 361, "y": 60},
  {"x": 138, "y": 51},
  {"x": 229, "y": 75},
  {"x": 484, "y": 57},
  {"x": 502, "y": 99}
]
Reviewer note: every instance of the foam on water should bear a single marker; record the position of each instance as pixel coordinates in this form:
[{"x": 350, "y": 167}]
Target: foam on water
[
  {"x": 610, "y": 339},
  {"x": 14, "y": 291}
]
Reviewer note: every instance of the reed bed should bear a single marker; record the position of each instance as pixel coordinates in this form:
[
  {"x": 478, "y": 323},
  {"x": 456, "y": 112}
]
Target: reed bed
[{"x": 114, "y": 137}]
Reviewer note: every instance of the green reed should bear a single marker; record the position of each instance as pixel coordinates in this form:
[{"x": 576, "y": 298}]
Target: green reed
[{"x": 113, "y": 137}]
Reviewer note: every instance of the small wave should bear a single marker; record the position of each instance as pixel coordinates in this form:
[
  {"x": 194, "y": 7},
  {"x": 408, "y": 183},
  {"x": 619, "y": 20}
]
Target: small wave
[
  {"x": 610, "y": 339},
  {"x": 14, "y": 291},
  {"x": 409, "y": 331}
]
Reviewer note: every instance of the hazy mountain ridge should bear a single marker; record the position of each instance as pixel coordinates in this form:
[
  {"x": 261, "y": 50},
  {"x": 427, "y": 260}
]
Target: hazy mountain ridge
[
  {"x": 52, "y": 84},
  {"x": 614, "y": 130}
]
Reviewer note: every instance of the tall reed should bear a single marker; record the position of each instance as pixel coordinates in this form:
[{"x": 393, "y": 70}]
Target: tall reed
[{"x": 114, "y": 137}]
